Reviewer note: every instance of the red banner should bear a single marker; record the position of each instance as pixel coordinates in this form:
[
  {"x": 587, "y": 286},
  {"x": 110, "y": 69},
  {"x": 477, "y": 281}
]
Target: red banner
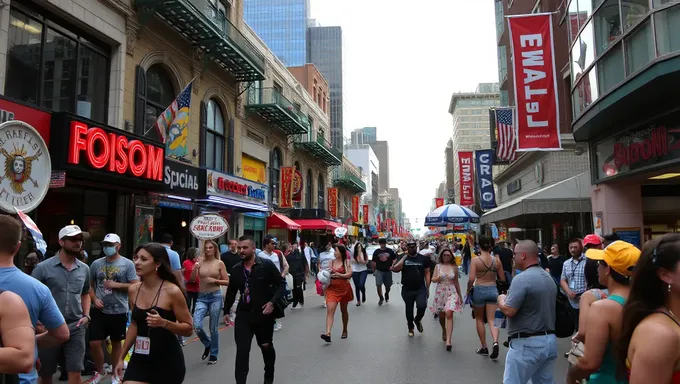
[
  {"x": 465, "y": 173},
  {"x": 297, "y": 186},
  {"x": 378, "y": 221},
  {"x": 438, "y": 202},
  {"x": 333, "y": 202},
  {"x": 355, "y": 209},
  {"x": 286, "y": 198},
  {"x": 365, "y": 212},
  {"x": 538, "y": 120}
]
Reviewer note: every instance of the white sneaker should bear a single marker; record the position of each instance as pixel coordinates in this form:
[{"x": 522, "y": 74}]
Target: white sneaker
[
  {"x": 324, "y": 304},
  {"x": 96, "y": 378},
  {"x": 115, "y": 380},
  {"x": 277, "y": 326}
]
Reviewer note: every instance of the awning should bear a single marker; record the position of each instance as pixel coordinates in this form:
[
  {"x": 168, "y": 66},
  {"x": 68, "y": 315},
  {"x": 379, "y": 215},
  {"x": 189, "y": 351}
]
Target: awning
[
  {"x": 567, "y": 196},
  {"x": 277, "y": 220},
  {"x": 314, "y": 224}
]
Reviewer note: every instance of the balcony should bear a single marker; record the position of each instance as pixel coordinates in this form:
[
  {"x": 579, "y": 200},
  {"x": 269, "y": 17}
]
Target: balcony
[
  {"x": 201, "y": 23},
  {"x": 272, "y": 106},
  {"x": 343, "y": 177},
  {"x": 318, "y": 146}
]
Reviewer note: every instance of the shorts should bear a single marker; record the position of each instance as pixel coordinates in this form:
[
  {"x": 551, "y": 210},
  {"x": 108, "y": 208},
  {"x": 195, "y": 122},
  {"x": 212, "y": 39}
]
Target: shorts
[
  {"x": 104, "y": 325},
  {"x": 484, "y": 294},
  {"x": 383, "y": 278},
  {"x": 73, "y": 350}
]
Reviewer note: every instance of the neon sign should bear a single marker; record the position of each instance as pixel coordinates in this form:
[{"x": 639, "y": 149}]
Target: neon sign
[{"x": 115, "y": 152}]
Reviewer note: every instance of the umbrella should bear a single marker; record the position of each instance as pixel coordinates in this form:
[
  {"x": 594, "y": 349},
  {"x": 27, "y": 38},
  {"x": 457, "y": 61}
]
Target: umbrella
[{"x": 450, "y": 214}]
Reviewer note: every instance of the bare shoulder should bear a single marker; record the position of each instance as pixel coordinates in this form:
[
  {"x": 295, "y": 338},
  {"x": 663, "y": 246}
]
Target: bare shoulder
[
  {"x": 172, "y": 290},
  {"x": 658, "y": 329},
  {"x": 134, "y": 288}
]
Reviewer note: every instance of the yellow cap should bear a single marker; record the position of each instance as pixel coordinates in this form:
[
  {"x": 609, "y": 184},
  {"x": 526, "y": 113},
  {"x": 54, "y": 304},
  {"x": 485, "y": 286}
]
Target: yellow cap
[{"x": 619, "y": 255}]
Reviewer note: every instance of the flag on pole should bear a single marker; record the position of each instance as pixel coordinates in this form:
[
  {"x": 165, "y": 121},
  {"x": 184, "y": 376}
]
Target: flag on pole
[
  {"x": 40, "y": 243},
  {"x": 165, "y": 120},
  {"x": 507, "y": 144}
]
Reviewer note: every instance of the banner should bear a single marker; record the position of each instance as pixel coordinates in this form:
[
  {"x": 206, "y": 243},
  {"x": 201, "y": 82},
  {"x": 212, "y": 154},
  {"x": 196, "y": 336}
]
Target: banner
[
  {"x": 333, "y": 202},
  {"x": 538, "y": 120},
  {"x": 33, "y": 229},
  {"x": 438, "y": 202},
  {"x": 297, "y": 185},
  {"x": 254, "y": 170},
  {"x": 355, "y": 209},
  {"x": 365, "y": 211},
  {"x": 286, "y": 198},
  {"x": 483, "y": 165},
  {"x": 465, "y": 174}
]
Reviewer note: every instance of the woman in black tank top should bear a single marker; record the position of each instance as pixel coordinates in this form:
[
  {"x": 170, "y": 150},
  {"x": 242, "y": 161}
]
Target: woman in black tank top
[{"x": 159, "y": 313}]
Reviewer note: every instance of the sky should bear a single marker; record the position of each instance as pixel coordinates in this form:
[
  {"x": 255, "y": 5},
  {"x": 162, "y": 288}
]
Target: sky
[{"x": 401, "y": 65}]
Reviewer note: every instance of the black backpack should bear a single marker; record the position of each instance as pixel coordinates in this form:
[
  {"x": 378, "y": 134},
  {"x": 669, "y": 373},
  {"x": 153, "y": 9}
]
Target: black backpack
[{"x": 565, "y": 316}]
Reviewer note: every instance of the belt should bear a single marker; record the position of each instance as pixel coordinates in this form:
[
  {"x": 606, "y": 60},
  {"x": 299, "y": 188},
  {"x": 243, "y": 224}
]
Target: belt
[{"x": 524, "y": 335}]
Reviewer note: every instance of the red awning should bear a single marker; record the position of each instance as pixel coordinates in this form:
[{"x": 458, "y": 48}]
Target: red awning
[
  {"x": 278, "y": 220},
  {"x": 314, "y": 224}
]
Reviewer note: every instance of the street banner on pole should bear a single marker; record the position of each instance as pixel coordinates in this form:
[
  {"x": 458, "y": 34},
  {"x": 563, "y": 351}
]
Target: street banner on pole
[
  {"x": 483, "y": 165},
  {"x": 465, "y": 173},
  {"x": 438, "y": 202},
  {"x": 286, "y": 198},
  {"x": 355, "y": 209},
  {"x": 533, "y": 53},
  {"x": 333, "y": 202},
  {"x": 365, "y": 210}
]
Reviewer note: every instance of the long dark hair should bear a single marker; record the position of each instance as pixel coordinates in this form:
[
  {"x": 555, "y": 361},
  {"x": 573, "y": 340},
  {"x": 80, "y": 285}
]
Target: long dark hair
[
  {"x": 190, "y": 253},
  {"x": 485, "y": 243},
  {"x": 648, "y": 292},
  {"x": 450, "y": 252},
  {"x": 591, "y": 275},
  {"x": 160, "y": 255},
  {"x": 358, "y": 247},
  {"x": 343, "y": 252}
]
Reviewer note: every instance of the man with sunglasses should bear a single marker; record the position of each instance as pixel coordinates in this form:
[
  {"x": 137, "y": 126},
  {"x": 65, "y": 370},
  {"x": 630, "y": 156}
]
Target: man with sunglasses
[{"x": 69, "y": 280}]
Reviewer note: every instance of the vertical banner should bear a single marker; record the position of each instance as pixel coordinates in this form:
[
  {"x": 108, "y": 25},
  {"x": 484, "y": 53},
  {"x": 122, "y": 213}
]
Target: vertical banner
[
  {"x": 297, "y": 185},
  {"x": 438, "y": 202},
  {"x": 355, "y": 209},
  {"x": 333, "y": 202},
  {"x": 378, "y": 221},
  {"x": 483, "y": 165},
  {"x": 365, "y": 211},
  {"x": 465, "y": 174},
  {"x": 286, "y": 198},
  {"x": 533, "y": 52}
]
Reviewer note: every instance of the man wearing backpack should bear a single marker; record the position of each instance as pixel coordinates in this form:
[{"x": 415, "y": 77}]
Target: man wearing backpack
[{"x": 272, "y": 254}]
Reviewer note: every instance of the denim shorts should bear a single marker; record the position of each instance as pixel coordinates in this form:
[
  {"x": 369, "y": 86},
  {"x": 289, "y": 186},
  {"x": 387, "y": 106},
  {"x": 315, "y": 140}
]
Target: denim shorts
[{"x": 484, "y": 294}]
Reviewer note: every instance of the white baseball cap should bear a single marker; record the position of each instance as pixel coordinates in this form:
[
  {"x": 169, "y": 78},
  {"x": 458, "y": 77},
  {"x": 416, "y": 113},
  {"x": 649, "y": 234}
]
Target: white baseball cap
[
  {"x": 111, "y": 238},
  {"x": 69, "y": 231}
]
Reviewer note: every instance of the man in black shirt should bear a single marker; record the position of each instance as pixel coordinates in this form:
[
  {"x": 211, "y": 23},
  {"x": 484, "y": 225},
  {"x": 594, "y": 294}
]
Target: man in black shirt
[
  {"x": 231, "y": 257},
  {"x": 504, "y": 253},
  {"x": 382, "y": 261},
  {"x": 555, "y": 263},
  {"x": 299, "y": 269},
  {"x": 262, "y": 287},
  {"x": 415, "y": 285}
]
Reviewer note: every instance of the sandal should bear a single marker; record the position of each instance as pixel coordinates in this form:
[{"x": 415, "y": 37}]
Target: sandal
[
  {"x": 326, "y": 337},
  {"x": 344, "y": 335}
]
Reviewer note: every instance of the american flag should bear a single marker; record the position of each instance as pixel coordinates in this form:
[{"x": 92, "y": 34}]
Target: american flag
[
  {"x": 506, "y": 134},
  {"x": 164, "y": 121}
]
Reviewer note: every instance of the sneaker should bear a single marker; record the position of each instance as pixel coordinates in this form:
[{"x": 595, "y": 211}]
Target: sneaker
[
  {"x": 387, "y": 297},
  {"x": 294, "y": 307},
  {"x": 324, "y": 304},
  {"x": 277, "y": 326},
  {"x": 381, "y": 302},
  {"x": 115, "y": 380},
  {"x": 410, "y": 333},
  {"x": 206, "y": 353},
  {"x": 419, "y": 326},
  {"x": 494, "y": 351},
  {"x": 482, "y": 351},
  {"x": 212, "y": 360},
  {"x": 96, "y": 378}
]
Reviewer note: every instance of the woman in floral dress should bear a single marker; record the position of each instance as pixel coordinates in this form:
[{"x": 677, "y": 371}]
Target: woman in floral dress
[{"x": 446, "y": 300}]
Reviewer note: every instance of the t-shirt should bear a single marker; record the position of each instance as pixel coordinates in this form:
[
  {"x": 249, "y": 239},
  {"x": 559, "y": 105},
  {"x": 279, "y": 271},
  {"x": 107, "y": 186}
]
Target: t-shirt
[
  {"x": 121, "y": 270},
  {"x": 39, "y": 301},
  {"x": 275, "y": 257},
  {"x": 188, "y": 269},
  {"x": 175, "y": 263},
  {"x": 297, "y": 263},
  {"x": 385, "y": 265},
  {"x": 230, "y": 259},
  {"x": 533, "y": 293},
  {"x": 505, "y": 255},
  {"x": 326, "y": 258},
  {"x": 556, "y": 264},
  {"x": 413, "y": 273}
]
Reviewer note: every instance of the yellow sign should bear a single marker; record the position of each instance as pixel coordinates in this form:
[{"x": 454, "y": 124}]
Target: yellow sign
[{"x": 254, "y": 170}]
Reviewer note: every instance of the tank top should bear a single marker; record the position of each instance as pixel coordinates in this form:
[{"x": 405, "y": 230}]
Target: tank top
[
  {"x": 356, "y": 266},
  {"x": 607, "y": 372},
  {"x": 162, "y": 340},
  {"x": 675, "y": 379}
]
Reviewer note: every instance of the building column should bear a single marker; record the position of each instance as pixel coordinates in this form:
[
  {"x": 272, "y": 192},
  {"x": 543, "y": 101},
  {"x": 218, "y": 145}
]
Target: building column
[{"x": 620, "y": 206}]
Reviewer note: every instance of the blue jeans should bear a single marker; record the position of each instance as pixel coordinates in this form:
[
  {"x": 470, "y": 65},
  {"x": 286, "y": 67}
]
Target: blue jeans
[
  {"x": 359, "y": 279},
  {"x": 531, "y": 358},
  {"x": 208, "y": 304}
]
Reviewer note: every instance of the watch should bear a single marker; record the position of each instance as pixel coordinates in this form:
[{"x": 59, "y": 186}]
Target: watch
[{"x": 89, "y": 319}]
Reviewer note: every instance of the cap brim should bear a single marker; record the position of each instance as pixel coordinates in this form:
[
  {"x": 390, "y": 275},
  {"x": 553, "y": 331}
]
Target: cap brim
[{"x": 595, "y": 254}]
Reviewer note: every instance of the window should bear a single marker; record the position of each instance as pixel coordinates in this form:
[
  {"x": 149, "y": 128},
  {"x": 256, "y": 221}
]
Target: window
[
  {"x": 321, "y": 192},
  {"x": 668, "y": 30},
  {"x": 274, "y": 175},
  {"x": 610, "y": 69},
  {"x": 500, "y": 19},
  {"x": 633, "y": 12},
  {"x": 639, "y": 48},
  {"x": 155, "y": 93},
  {"x": 502, "y": 64},
  {"x": 585, "y": 92},
  {"x": 309, "y": 191},
  {"x": 607, "y": 26},
  {"x": 660, "y": 3},
  {"x": 214, "y": 137},
  {"x": 56, "y": 68},
  {"x": 574, "y": 20}
]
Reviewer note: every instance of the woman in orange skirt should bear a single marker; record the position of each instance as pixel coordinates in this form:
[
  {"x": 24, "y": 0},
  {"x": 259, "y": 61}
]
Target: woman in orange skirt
[{"x": 339, "y": 291}]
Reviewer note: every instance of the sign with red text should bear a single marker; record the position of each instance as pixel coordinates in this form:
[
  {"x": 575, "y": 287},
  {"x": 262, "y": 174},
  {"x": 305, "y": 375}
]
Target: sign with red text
[
  {"x": 234, "y": 187},
  {"x": 208, "y": 226},
  {"x": 438, "y": 202},
  {"x": 465, "y": 173},
  {"x": 37, "y": 118},
  {"x": 538, "y": 120},
  {"x": 355, "y": 209},
  {"x": 287, "y": 176},
  {"x": 333, "y": 202},
  {"x": 364, "y": 209}
]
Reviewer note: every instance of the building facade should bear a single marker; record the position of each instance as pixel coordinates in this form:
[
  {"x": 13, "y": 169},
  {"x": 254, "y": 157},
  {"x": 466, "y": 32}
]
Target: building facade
[
  {"x": 365, "y": 159},
  {"x": 348, "y": 178},
  {"x": 450, "y": 191},
  {"x": 382, "y": 150},
  {"x": 366, "y": 135}
]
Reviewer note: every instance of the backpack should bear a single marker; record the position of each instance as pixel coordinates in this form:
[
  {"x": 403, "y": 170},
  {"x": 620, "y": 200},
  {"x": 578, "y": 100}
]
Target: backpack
[{"x": 565, "y": 316}]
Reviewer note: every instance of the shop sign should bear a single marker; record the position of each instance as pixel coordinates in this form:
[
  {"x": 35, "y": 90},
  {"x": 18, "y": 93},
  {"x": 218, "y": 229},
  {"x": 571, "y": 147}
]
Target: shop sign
[
  {"x": 484, "y": 163},
  {"x": 465, "y": 170},
  {"x": 355, "y": 209},
  {"x": 297, "y": 185},
  {"x": 181, "y": 179},
  {"x": 208, "y": 226},
  {"x": 28, "y": 168},
  {"x": 37, "y": 118},
  {"x": 108, "y": 150},
  {"x": 254, "y": 170},
  {"x": 364, "y": 208},
  {"x": 639, "y": 149},
  {"x": 234, "y": 187},
  {"x": 333, "y": 202},
  {"x": 286, "y": 198}
]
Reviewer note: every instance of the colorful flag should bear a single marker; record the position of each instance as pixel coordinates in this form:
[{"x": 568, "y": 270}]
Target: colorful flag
[
  {"x": 286, "y": 198},
  {"x": 355, "y": 208},
  {"x": 182, "y": 104},
  {"x": 40, "y": 243},
  {"x": 505, "y": 151},
  {"x": 333, "y": 202}
]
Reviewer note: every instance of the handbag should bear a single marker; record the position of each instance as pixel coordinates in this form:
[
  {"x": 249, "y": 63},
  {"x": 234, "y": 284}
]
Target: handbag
[{"x": 319, "y": 288}]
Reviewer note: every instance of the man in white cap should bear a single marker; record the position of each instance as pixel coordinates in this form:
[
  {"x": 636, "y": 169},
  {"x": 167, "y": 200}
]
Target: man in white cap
[
  {"x": 110, "y": 278},
  {"x": 69, "y": 281}
]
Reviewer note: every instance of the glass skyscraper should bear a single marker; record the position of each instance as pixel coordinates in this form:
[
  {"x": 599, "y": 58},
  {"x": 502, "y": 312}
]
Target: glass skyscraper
[{"x": 282, "y": 24}]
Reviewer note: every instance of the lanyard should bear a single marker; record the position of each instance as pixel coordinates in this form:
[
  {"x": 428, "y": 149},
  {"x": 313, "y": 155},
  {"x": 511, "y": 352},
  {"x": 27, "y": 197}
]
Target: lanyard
[{"x": 246, "y": 291}]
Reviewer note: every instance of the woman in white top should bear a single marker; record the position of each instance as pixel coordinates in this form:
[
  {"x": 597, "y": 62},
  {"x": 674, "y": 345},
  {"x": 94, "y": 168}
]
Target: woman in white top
[
  {"x": 325, "y": 261},
  {"x": 359, "y": 272}
]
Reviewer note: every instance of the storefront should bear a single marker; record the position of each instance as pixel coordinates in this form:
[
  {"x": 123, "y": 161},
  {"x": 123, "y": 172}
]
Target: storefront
[{"x": 282, "y": 227}]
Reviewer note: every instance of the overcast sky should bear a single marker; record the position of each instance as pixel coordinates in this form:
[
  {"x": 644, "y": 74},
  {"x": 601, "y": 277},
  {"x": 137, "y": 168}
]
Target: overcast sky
[{"x": 401, "y": 65}]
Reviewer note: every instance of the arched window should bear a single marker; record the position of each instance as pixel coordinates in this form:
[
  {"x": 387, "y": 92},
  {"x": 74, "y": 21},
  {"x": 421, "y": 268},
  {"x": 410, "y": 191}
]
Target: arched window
[
  {"x": 158, "y": 94},
  {"x": 214, "y": 136},
  {"x": 274, "y": 175},
  {"x": 321, "y": 192},
  {"x": 309, "y": 192}
]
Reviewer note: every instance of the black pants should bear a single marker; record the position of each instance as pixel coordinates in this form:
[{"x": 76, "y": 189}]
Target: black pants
[
  {"x": 191, "y": 301},
  {"x": 417, "y": 297},
  {"x": 244, "y": 330},
  {"x": 298, "y": 293}
]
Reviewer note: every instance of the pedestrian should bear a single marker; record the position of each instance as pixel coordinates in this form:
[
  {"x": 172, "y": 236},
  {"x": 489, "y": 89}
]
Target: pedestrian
[
  {"x": 261, "y": 286},
  {"x": 339, "y": 291},
  {"x": 359, "y": 272},
  {"x": 324, "y": 263},
  {"x": 212, "y": 274},
  {"x": 42, "y": 307},
  {"x": 556, "y": 263},
  {"x": 17, "y": 346},
  {"x": 159, "y": 314},
  {"x": 175, "y": 264},
  {"x": 504, "y": 253},
  {"x": 573, "y": 279},
  {"x": 415, "y": 285},
  {"x": 603, "y": 325},
  {"x": 230, "y": 258},
  {"x": 110, "y": 278},
  {"x": 192, "y": 284},
  {"x": 382, "y": 262},
  {"x": 485, "y": 270},
  {"x": 468, "y": 249},
  {"x": 299, "y": 269},
  {"x": 648, "y": 347},
  {"x": 69, "y": 281},
  {"x": 596, "y": 291},
  {"x": 446, "y": 300},
  {"x": 530, "y": 308}
]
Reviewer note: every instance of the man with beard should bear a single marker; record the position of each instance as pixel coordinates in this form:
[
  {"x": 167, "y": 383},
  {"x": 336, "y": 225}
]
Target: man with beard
[
  {"x": 415, "y": 284},
  {"x": 261, "y": 286},
  {"x": 382, "y": 261},
  {"x": 69, "y": 280}
]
